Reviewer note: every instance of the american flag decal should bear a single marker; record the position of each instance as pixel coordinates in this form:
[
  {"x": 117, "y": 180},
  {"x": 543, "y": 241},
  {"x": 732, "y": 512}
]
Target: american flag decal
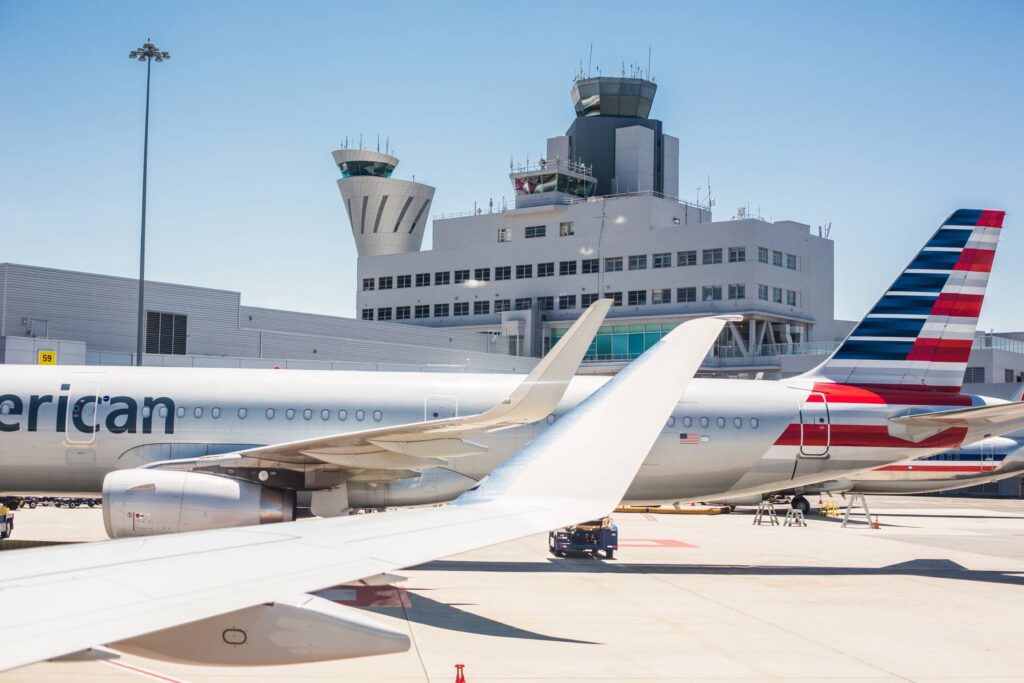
[{"x": 689, "y": 438}]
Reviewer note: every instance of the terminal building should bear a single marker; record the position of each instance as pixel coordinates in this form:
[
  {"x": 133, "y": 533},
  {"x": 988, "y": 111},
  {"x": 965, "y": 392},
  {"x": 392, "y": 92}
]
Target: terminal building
[{"x": 599, "y": 216}]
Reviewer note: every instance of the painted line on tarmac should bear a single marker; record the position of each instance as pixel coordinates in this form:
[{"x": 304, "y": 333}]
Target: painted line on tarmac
[{"x": 142, "y": 672}]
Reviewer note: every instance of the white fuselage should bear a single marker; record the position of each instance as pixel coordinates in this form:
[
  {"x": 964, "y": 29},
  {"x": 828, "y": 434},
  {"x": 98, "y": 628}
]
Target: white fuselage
[{"x": 64, "y": 428}]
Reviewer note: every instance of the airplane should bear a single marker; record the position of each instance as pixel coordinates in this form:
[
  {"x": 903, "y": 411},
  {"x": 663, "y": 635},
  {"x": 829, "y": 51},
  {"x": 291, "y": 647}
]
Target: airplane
[
  {"x": 243, "y": 596},
  {"x": 178, "y": 449}
]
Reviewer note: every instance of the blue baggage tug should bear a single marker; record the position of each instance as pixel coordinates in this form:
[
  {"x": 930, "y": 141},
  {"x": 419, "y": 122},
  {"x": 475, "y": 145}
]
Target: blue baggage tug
[{"x": 587, "y": 538}]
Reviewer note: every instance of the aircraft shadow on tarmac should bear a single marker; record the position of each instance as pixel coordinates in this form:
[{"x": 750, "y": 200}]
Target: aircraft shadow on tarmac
[
  {"x": 448, "y": 616},
  {"x": 931, "y": 568}
]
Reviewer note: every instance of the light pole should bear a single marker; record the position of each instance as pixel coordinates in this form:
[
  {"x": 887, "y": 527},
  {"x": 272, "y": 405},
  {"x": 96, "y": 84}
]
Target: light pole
[{"x": 147, "y": 53}]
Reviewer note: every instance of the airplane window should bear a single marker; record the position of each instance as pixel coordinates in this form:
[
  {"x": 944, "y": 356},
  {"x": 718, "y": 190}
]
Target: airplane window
[
  {"x": 162, "y": 411},
  {"x": 360, "y": 415},
  {"x": 325, "y": 414},
  {"x": 290, "y": 413},
  {"x": 180, "y": 412},
  {"x": 215, "y": 412},
  {"x": 754, "y": 423},
  {"x": 551, "y": 419},
  {"x": 307, "y": 414},
  {"x": 342, "y": 414},
  {"x": 671, "y": 421},
  {"x": 720, "y": 422},
  {"x": 146, "y": 411},
  {"x": 737, "y": 422},
  {"x": 242, "y": 412},
  {"x": 198, "y": 412},
  {"x": 687, "y": 421},
  {"x": 377, "y": 415},
  {"x": 5, "y": 408},
  {"x": 270, "y": 413},
  {"x": 704, "y": 422}
]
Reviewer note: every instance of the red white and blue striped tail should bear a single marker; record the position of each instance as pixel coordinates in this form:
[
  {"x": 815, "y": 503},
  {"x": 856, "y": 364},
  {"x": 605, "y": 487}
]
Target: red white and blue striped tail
[{"x": 919, "y": 334}]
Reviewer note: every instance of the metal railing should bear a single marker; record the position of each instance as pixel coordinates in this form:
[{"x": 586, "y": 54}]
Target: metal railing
[{"x": 568, "y": 200}]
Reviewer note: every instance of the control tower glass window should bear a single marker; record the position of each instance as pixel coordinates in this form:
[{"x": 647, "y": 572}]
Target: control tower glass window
[{"x": 377, "y": 169}]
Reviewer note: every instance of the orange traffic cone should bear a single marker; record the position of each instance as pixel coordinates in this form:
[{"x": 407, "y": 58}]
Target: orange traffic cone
[{"x": 459, "y": 676}]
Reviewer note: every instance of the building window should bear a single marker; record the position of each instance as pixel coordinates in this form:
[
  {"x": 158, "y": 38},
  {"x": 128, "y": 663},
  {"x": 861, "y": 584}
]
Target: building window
[
  {"x": 405, "y": 281},
  {"x": 777, "y": 259},
  {"x": 638, "y": 297},
  {"x": 686, "y": 258},
  {"x": 504, "y": 234},
  {"x": 616, "y": 297},
  {"x": 367, "y": 314},
  {"x": 762, "y": 255},
  {"x": 502, "y": 305},
  {"x": 503, "y": 273},
  {"x": 737, "y": 291},
  {"x": 711, "y": 293},
  {"x": 613, "y": 264},
  {"x": 587, "y": 299},
  {"x": 777, "y": 295},
  {"x": 535, "y": 231},
  {"x": 461, "y": 276},
  {"x": 711, "y": 256},
  {"x": 422, "y": 279},
  {"x": 385, "y": 282},
  {"x": 545, "y": 269},
  {"x": 566, "y": 301},
  {"x": 442, "y": 278},
  {"x": 166, "y": 333},
  {"x": 482, "y": 274},
  {"x": 1008, "y": 375},
  {"x": 591, "y": 265},
  {"x": 790, "y": 297},
  {"x": 422, "y": 311},
  {"x": 440, "y": 310},
  {"x": 737, "y": 254},
  {"x": 661, "y": 296},
  {"x": 974, "y": 375},
  {"x": 368, "y": 284},
  {"x": 791, "y": 261},
  {"x": 566, "y": 229},
  {"x": 545, "y": 303},
  {"x": 481, "y": 307},
  {"x": 663, "y": 260},
  {"x": 566, "y": 267},
  {"x": 638, "y": 262},
  {"x": 762, "y": 292},
  {"x": 460, "y": 308},
  {"x": 383, "y": 314},
  {"x": 686, "y": 295},
  {"x": 402, "y": 312},
  {"x": 524, "y": 304}
]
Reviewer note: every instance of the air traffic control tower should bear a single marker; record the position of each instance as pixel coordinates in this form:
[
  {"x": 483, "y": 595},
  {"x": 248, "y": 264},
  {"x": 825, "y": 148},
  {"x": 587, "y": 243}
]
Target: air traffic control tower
[{"x": 388, "y": 215}]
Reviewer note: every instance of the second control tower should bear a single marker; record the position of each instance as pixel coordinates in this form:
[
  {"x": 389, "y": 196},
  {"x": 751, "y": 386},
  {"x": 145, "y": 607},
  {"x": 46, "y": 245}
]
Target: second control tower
[{"x": 388, "y": 215}]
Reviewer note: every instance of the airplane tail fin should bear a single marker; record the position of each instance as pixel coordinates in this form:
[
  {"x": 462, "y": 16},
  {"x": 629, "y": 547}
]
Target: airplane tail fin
[{"x": 919, "y": 334}]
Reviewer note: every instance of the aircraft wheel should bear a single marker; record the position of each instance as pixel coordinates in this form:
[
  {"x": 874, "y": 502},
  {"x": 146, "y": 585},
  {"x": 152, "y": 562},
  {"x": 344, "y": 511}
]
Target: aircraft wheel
[
  {"x": 800, "y": 503},
  {"x": 32, "y": 505}
]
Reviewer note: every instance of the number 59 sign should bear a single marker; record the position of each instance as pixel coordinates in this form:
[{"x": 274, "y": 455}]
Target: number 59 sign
[{"x": 47, "y": 358}]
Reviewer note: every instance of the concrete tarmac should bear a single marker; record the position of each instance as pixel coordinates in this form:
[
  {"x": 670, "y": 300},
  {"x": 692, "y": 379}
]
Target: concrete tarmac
[{"x": 935, "y": 594}]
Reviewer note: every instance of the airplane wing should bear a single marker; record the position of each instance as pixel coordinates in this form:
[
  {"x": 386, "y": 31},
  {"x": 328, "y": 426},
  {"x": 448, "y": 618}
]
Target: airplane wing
[
  {"x": 981, "y": 422},
  {"x": 240, "y": 596},
  {"x": 420, "y": 444}
]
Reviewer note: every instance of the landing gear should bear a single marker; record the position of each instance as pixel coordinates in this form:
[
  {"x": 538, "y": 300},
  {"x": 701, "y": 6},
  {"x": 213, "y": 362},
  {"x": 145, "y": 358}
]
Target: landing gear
[{"x": 800, "y": 503}]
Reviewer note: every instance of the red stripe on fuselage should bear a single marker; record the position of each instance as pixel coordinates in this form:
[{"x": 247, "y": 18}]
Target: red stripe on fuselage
[
  {"x": 941, "y": 350},
  {"x": 896, "y": 395},
  {"x": 864, "y": 436},
  {"x": 991, "y": 219},
  {"x": 977, "y": 260},
  {"x": 958, "y": 305}
]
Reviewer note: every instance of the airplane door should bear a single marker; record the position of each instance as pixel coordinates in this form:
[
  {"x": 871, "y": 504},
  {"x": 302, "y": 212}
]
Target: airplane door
[
  {"x": 440, "y": 407},
  {"x": 815, "y": 426},
  {"x": 83, "y": 412},
  {"x": 988, "y": 457}
]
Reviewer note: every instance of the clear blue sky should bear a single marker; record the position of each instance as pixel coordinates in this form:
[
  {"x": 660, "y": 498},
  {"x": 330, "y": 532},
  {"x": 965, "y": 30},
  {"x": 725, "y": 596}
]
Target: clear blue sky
[{"x": 880, "y": 117}]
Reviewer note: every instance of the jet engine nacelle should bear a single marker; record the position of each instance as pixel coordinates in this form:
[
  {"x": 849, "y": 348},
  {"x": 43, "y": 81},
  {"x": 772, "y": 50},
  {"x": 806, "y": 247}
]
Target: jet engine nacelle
[{"x": 144, "y": 502}]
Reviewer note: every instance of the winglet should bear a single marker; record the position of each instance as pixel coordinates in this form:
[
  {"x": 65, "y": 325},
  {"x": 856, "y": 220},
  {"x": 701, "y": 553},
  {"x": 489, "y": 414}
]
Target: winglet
[{"x": 543, "y": 388}]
